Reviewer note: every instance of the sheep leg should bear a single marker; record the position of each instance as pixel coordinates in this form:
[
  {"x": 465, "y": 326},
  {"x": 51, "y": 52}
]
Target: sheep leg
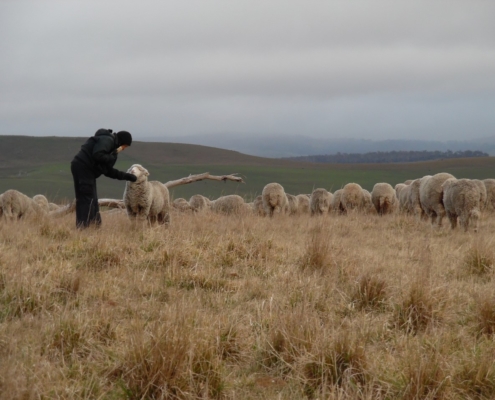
[{"x": 453, "y": 220}]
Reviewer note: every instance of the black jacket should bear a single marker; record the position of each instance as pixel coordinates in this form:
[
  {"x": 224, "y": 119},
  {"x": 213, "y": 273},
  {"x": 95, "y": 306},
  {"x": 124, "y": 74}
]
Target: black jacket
[{"x": 99, "y": 155}]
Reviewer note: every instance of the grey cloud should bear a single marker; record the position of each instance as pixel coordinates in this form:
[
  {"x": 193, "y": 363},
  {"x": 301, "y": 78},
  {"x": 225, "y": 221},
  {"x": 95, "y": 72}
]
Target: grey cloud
[{"x": 362, "y": 69}]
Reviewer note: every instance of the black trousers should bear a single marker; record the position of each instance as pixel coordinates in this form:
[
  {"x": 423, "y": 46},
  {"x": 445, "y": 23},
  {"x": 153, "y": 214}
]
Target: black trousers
[{"x": 87, "y": 209}]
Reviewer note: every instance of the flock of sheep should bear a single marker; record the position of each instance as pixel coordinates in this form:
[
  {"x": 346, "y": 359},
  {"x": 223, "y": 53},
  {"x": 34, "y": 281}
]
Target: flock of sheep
[{"x": 431, "y": 197}]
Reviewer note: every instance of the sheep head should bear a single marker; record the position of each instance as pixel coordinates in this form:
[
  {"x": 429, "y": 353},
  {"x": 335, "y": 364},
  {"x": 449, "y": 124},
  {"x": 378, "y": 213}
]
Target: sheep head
[{"x": 140, "y": 172}]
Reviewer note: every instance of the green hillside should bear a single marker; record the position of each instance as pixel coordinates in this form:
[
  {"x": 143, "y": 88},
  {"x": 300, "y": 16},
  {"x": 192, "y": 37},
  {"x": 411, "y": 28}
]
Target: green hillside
[{"x": 35, "y": 165}]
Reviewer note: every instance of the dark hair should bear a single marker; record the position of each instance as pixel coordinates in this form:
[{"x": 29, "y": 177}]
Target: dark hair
[{"x": 124, "y": 137}]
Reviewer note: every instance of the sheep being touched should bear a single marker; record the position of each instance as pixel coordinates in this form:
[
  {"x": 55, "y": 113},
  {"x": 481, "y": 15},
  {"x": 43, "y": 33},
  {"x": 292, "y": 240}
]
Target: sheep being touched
[
  {"x": 384, "y": 198},
  {"x": 274, "y": 199},
  {"x": 430, "y": 196},
  {"x": 146, "y": 200},
  {"x": 462, "y": 199}
]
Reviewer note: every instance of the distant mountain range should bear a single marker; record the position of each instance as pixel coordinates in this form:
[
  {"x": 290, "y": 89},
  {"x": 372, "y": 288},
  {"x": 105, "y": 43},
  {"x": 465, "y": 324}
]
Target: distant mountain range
[{"x": 296, "y": 146}]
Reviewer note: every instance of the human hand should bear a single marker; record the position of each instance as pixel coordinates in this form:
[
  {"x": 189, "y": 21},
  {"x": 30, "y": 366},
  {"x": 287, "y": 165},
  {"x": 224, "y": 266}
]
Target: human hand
[{"x": 130, "y": 177}]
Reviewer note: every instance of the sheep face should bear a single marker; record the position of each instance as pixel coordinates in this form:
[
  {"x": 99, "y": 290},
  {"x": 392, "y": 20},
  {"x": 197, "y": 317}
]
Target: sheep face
[{"x": 140, "y": 172}]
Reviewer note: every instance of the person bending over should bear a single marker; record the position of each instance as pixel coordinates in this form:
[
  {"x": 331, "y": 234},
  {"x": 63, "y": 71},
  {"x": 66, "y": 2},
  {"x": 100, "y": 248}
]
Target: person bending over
[{"x": 96, "y": 157}]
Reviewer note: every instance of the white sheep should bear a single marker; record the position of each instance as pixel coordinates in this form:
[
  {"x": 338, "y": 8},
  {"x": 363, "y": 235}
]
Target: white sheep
[
  {"x": 181, "y": 204},
  {"x": 199, "y": 202},
  {"x": 336, "y": 205},
  {"x": 231, "y": 204},
  {"x": 431, "y": 196},
  {"x": 146, "y": 200},
  {"x": 462, "y": 199},
  {"x": 303, "y": 204},
  {"x": 320, "y": 201},
  {"x": 404, "y": 195},
  {"x": 16, "y": 205},
  {"x": 368, "y": 203},
  {"x": 258, "y": 205},
  {"x": 352, "y": 197},
  {"x": 292, "y": 204},
  {"x": 384, "y": 198},
  {"x": 414, "y": 204},
  {"x": 399, "y": 187},
  {"x": 42, "y": 201},
  {"x": 483, "y": 193},
  {"x": 490, "y": 194},
  {"x": 274, "y": 199},
  {"x": 53, "y": 207}
]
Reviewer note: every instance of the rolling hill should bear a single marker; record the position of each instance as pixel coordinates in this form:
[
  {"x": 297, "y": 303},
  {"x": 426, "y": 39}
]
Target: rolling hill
[{"x": 35, "y": 165}]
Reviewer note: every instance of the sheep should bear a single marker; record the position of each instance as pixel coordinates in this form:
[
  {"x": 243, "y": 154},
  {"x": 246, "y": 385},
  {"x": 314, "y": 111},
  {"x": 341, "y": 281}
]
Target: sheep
[
  {"x": 368, "y": 203},
  {"x": 1, "y": 206},
  {"x": 199, "y": 202},
  {"x": 53, "y": 207},
  {"x": 303, "y": 204},
  {"x": 231, "y": 204},
  {"x": 292, "y": 204},
  {"x": 414, "y": 202},
  {"x": 320, "y": 201},
  {"x": 404, "y": 195},
  {"x": 352, "y": 197},
  {"x": 384, "y": 198},
  {"x": 398, "y": 188},
  {"x": 483, "y": 193},
  {"x": 16, "y": 205},
  {"x": 431, "y": 197},
  {"x": 181, "y": 204},
  {"x": 42, "y": 201},
  {"x": 490, "y": 194},
  {"x": 146, "y": 200},
  {"x": 258, "y": 205},
  {"x": 462, "y": 199},
  {"x": 274, "y": 199},
  {"x": 408, "y": 182},
  {"x": 336, "y": 205}
]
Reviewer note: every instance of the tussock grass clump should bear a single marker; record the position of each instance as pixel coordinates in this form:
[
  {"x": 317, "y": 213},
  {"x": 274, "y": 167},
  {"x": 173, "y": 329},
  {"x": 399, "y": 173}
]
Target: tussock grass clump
[
  {"x": 484, "y": 314},
  {"x": 369, "y": 292},
  {"x": 339, "y": 362},
  {"x": 474, "y": 374},
  {"x": 317, "y": 255},
  {"x": 18, "y": 300},
  {"x": 424, "y": 375},
  {"x": 169, "y": 362},
  {"x": 417, "y": 310},
  {"x": 479, "y": 259}
]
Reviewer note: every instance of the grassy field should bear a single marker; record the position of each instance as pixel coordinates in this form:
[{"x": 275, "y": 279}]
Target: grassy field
[
  {"x": 55, "y": 180},
  {"x": 246, "y": 307}
]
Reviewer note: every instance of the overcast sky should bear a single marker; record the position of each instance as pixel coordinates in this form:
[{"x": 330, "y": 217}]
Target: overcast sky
[{"x": 357, "y": 69}]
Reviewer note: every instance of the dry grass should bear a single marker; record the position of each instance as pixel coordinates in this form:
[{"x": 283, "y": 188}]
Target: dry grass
[{"x": 245, "y": 307}]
